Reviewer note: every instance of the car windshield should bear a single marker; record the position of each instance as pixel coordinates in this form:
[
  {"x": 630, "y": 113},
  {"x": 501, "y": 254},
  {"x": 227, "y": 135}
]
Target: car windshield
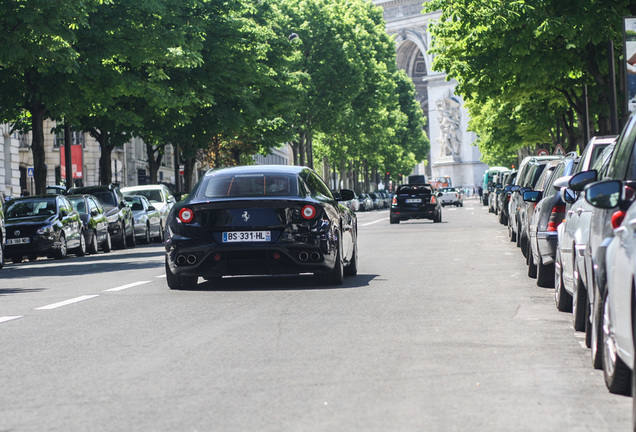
[
  {"x": 105, "y": 197},
  {"x": 135, "y": 203},
  {"x": 31, "y": 207},
  {"x": 247, "y": 185},
  {"x": 78, "y": 204},
  {"x": 153, "y": 195}
]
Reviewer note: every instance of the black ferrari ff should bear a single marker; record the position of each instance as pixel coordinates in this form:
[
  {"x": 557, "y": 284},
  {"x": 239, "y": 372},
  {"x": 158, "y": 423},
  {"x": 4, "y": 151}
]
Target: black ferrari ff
[{"x": 260, "y": 220}]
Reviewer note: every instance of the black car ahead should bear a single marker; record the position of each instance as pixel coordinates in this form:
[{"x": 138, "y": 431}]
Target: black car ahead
[
  {"x": 42, "y": 225},
  {"x": 118, "y": 213},
  {"x": 415, "y": 201},
  {"x": 94, "y": 221},
  {"x": 255, "y": 220}
]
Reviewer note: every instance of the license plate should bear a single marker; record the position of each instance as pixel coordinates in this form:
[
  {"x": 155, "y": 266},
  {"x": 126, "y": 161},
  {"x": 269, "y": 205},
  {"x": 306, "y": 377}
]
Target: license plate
[
  {"x": 15, "y": 241},
  {"x": 246, "y": 236},
  {"x": 413, "y": 200}
]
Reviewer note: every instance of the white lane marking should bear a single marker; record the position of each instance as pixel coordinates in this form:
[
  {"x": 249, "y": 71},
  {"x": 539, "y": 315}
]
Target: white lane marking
[
  {"x": 130, "y": 285},
  {"x": 9, "y": 318},
  {"x": 375, "y": 221},
  {"x": 160, "y": 276},
  {"x": 67, "y": 302}
]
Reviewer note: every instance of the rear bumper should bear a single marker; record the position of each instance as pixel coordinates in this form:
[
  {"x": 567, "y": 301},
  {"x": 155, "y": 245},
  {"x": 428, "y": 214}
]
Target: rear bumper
[
  {"x": 547, "y": 245},
  {"x": 406, "y": 214}
]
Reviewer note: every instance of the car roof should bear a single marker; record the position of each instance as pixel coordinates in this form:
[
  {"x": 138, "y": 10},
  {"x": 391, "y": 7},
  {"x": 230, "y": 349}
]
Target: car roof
[
  {"x": 257, "y": 169},
  {"x": 144, "y": 187}
]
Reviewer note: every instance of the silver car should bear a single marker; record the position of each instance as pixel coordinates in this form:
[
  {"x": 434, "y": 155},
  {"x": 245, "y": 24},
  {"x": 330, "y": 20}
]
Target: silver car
[
  {"x": 159, "y": 196},
  {"x": 147, "y": 219}
]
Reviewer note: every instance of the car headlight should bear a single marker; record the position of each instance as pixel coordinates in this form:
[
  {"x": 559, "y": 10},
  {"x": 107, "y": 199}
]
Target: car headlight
[
  {"x": 112, "y": 218},
  {"x": 45, "y": 230}
]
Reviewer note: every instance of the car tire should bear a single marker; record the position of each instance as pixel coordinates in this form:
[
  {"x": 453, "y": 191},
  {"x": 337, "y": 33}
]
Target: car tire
[
  {"x": 579, "y": 305},
  {"x": 393, "y": 220},
  {"x": 80, "y": 251},
  {"x": 334, "y": 276},
  {"x": 518, "y": 235},
  {"x": 180, "y": 282},
  {"x": 351, "y": 269},
  {"x": 596, "y": 337},
  {"x": 438, "y": 218},
  {"x": 1, "y": 254},
  {"x": 159, "y": 238},
  {"x": 532, "y": 267},
  {"x": 132, "y": 240},
  {"x": 122, "y": 242},
  {"x": 617, "y": 374},
  {"x": 107, "y": 246},
  {"x": 562, "y": 298},
  {"x": 146, "y": 238},
  {"x": 524, "y": 244},
  {"x": 62, "y": 250},
  {"x": 92, "y": 248},
  {"x": 511, "y": 233},
  {"x": 545, "y": 275},
  {"x": 16, "y": 259}
]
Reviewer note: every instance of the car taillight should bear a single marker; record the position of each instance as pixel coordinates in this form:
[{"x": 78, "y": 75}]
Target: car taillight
[
  {"x": 394, "y": 201},
  {"x": 186, "y": 215},
  {"x": 617, "y": 218},
  {"x": 433, "y": 200},
  {"x": 556, "y": 217},
  {"x": 308, "y": 212}
]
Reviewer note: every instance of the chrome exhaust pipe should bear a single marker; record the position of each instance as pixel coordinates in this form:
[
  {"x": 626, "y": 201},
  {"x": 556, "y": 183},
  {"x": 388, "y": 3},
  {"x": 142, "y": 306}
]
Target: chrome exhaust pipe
[
  {"x": 303, "y": 256},
  {"x": 181, "y": 260},
  {"x": 192, "y": 259},
  {"x": 315, "y": 256}
]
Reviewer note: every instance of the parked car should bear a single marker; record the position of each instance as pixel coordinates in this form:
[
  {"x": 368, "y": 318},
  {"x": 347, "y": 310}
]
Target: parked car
[
  {"x": 377, "y": 201},
  {"x": 530, "y": 170},
  {"x": 119, "y": 215},
  {"x": 451, "y": 196},
  {"x": 3, "y": 232},
  {"x": 616, "y": 308},
  {"x": 42, "y": 225},
  {"x": 573, "y": 235},
  {"x": 366, "y": 203},
  {"x": 94, "y": 222},
  {"x": 148, "y": 225},
  {"x": 503, "y": 197},
  {"x": 621, "y": 166},
  {"x": 159, "y": 197},
  {"x": 415, "y": 201},
  {"x": 55, "y": 190},
  {"x": 545, "y": 220},
  {"x": 261, "y": 219},
  {"x": 488, "y": 182}
]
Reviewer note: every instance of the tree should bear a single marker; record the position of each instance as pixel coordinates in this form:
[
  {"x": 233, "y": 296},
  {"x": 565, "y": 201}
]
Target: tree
[
  {"x": 514, "y": 54},
  {"x": 37, "y": 60}
]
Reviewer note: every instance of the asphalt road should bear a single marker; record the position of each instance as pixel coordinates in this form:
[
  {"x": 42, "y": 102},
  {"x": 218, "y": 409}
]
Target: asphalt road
[{"x": 440, "y": 331}]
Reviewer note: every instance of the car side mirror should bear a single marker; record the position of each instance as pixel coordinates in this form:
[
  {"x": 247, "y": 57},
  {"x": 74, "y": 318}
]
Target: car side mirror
[
  {"x": 578, "y": 181},
  {"x": 346, "y": 195},
  {"x": 94, "y": 212},
  {"x": 532, "y": 196},
  {"x": 63, "y": 212},
  {"x": 604, "y": 194},
  {"x": 561, "y": 182},
  {"x": 567, "y": 195},
  {"x": 151, "y": 208}
]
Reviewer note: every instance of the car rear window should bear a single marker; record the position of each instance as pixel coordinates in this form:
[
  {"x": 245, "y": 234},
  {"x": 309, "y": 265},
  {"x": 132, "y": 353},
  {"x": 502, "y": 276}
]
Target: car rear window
[
  {"x": 248, "y": 185},
  {"x": 415, "y": 190}
]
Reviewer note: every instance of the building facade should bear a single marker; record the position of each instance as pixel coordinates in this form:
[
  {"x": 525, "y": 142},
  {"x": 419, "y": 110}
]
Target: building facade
[{"x": 453, "y": 152}]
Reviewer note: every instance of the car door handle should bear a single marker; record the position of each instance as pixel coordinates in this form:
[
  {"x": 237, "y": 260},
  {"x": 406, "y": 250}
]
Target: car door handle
[
  {"x": 570, "y": 212},
  {"x": 579, "y": 211}
]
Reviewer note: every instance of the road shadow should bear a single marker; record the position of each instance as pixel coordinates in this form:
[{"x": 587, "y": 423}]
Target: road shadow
[
  {"x": 280, "y": 283},
  {"x": 8, "y": 291}
]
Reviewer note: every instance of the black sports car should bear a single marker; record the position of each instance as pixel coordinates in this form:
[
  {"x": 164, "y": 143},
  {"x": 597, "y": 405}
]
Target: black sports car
[
  {"x": 255, "y": 220},
  {"x": 415, "y": 201}
]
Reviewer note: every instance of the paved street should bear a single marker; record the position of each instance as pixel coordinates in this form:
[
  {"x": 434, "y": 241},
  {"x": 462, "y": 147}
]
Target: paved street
[{"x": 440, "y": 331}]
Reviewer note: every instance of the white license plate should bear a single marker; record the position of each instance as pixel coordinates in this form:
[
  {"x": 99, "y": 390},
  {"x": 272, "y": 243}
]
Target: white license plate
[
  {"x": 413, "y": 200},
  {"x": 15, "y": 241},
  {"x": 246, "y": 236}
]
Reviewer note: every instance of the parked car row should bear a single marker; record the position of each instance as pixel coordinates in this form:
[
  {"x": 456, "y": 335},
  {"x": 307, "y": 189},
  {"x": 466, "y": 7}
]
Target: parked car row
[
  {"x": 575, "y": 223},
  {"x": 369, "y": 201},
  {"x": 85, "y": 220}
]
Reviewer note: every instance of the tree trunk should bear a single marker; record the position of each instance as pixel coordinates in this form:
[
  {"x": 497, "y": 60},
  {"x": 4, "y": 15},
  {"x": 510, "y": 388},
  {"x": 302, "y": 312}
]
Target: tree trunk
[
  {"x": 188, "y": 173},
  {"x": 310, "y": 150},
  {"x": 37, "y": 146},
  {"x": 105, "y": 169},
  {"x": 153, "y": 162}
]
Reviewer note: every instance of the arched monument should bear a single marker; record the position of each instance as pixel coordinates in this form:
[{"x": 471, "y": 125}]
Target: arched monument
[{"x": 452, "y": 150}]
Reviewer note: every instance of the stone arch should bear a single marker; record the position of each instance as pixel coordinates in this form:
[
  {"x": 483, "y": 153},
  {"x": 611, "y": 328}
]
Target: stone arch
[{"x": 410, "y": 56}]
